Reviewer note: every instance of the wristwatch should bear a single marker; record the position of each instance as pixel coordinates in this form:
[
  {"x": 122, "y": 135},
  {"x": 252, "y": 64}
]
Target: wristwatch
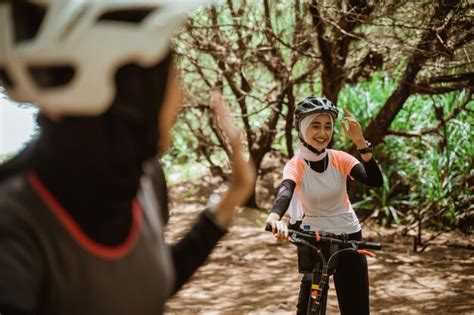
[{"x": 367, "y": 149}]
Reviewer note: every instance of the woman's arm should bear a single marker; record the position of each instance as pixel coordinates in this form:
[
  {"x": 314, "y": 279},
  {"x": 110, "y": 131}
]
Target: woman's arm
[
  {"x": 368, "y": 173},
  {"x": 283, "y": 198},
  {"x": 243, "y": 173},
  {"x": 282, "y": 201},
  {"x": 191, "y": 251},
  {"x": 194, "y": 248}
]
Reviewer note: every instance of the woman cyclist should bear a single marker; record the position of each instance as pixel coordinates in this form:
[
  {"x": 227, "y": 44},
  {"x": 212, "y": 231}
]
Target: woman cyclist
[
  {"x": 82, "y": 208},
  {"x": 314, "y": 193}
]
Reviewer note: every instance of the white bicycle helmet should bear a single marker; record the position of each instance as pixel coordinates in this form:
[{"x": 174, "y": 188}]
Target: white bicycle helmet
[{"x": 88, "y": 41}]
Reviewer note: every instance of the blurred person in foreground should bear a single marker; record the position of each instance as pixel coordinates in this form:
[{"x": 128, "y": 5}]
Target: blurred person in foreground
[{"x": 82, "y": 207}]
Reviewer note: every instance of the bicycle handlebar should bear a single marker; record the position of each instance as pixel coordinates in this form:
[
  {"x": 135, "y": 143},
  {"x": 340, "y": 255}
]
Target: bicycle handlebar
[{"x": 330, "y": 238}]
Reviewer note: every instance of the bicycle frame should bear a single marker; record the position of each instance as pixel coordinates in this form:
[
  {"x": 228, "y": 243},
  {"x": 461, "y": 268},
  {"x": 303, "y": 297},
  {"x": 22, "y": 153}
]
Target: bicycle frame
[{"x": 320, "y": 279}]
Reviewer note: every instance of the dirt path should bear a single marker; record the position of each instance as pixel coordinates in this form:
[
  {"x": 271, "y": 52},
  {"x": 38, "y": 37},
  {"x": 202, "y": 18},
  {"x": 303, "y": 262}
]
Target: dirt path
[{"x": 250, "y": 273}]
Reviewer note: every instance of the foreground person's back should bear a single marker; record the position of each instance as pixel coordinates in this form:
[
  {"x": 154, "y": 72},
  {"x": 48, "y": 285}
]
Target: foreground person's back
[{"x": 82, "y": 207}]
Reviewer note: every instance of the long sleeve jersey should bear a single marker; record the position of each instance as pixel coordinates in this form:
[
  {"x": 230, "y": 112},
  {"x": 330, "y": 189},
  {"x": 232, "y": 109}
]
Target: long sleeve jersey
[
  {"x": 316, "y": 193},
  {"x": 48, "y": 265}
]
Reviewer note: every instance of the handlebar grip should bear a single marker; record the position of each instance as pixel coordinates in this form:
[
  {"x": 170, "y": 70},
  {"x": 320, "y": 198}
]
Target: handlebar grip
[
  {"x": 268, "y": 227},
  {"x": 370, "y": 245}
]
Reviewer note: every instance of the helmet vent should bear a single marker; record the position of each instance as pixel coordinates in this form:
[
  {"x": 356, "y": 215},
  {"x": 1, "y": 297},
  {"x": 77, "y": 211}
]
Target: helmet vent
[
  {"x": 5, "y": 79},
  {"x": 27, "y": 19},
  {"x": 69, "y": 27},
  {"x": 126, "y": 15},
  {"x": 51, "y": 76}
]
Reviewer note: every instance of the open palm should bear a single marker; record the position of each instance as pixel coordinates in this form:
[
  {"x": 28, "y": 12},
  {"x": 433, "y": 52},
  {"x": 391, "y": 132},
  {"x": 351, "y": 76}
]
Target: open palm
[{"x": 352, "y": 127}]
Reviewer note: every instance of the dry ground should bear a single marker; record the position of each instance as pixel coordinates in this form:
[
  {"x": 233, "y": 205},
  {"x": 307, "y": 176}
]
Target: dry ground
[{"x": 250, "y": 273}]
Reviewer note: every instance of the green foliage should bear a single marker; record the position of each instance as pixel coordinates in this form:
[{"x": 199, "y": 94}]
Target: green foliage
[
  {"x": 419, "y": 172},
  {"x": 181, "y": 163},
  {"x": 257, "y": 63},
  {"x": 427, "y": 171},
  {"x": 363, "y": 100}
]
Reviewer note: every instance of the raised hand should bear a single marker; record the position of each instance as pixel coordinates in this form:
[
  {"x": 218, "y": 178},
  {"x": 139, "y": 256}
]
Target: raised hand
[
  {"x": 354, "y": 132},
  {"x": 353, "y": 129},
  {"x": 243, "y": 173}
]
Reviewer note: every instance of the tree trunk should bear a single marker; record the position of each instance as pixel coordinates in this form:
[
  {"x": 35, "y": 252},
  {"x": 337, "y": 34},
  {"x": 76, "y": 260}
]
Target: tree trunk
[
  {"x": 257, "y": 158},
  {"x": 334, "y": 47},
  {"x": 379, "y": 126},
  {"x": 252, "y": 201},
  {"x": 262, "y": 146},
  {"x": 289, "y": 122}
]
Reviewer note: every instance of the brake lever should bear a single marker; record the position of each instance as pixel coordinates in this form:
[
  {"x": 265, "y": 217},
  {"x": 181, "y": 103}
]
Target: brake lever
[{"x": 365, "y": 252}]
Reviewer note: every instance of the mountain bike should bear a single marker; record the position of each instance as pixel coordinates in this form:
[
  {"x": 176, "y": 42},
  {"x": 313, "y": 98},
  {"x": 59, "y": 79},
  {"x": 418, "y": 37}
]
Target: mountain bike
[{"x": 323, "y": 270}]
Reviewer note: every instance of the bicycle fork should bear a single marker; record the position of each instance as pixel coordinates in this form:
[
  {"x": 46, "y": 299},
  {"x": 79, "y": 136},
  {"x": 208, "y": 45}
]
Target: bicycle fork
[{"x": 319, "y": 289}]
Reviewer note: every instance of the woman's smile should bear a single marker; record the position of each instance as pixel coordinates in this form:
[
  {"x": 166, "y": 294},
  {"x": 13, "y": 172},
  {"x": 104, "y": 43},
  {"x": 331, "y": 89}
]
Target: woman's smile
[{"x": 319, "y": 132}]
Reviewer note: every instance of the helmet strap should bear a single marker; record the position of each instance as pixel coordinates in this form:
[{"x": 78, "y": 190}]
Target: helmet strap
[{"x": 311, "y": 148}]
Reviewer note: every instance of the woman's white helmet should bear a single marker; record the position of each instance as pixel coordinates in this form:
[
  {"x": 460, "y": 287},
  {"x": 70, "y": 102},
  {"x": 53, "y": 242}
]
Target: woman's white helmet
[{"x": 91, "y": 41}]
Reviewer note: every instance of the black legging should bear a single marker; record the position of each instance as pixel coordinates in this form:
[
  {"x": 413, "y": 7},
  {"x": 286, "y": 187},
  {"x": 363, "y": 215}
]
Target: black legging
[{"x": 351, "y": 280}]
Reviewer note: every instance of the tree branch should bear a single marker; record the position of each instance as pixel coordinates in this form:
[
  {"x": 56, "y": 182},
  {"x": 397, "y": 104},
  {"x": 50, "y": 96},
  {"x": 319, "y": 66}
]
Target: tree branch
[
  {"x": 425, "y": 131},
  {"x": 379, "y": 126}
]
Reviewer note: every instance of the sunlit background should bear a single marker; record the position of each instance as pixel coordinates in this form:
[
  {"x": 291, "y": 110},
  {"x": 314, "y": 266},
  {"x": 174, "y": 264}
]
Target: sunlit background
[{"x": 17, "y": 125}]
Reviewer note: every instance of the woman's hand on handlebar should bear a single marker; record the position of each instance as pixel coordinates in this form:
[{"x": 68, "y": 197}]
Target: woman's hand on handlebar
[{"x": 279, "y": 228}]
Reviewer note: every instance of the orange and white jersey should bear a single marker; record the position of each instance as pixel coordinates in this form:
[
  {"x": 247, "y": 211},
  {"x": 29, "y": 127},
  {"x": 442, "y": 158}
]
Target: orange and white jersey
[{"x": 320, "y": 199}]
